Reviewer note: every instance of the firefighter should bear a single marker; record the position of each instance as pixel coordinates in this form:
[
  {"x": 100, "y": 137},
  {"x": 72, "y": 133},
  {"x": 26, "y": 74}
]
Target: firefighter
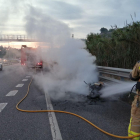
[{"x": 134, "y": 125}]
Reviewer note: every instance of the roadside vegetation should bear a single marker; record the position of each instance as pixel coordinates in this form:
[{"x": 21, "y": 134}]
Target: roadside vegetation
[
  {"x": 2, "y": 51},
  {"x": 9, "y": 52},
  {"x": 116, "y": 47}
]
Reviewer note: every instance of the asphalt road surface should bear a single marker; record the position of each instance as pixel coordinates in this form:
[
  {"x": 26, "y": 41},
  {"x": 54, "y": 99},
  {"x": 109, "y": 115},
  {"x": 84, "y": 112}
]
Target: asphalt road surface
[{"x": 112, "y": 116}]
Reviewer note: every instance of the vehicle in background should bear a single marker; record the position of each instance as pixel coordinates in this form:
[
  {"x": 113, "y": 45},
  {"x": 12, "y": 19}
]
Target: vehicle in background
[
  {"x": 1, "y": 66},
  {"x": 3, "y": 60},
  {"x": 29, "y": 58}
]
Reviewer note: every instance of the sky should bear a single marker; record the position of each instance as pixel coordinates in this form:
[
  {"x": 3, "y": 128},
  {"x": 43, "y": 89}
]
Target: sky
[{"x": 81, "y": 16}]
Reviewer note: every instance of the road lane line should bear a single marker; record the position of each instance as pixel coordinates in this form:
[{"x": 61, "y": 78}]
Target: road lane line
[
  {"x": 12, "y": 93},
  {"x": 56, "y": 134},
  {"x": 25, "y": 80},
  {"x": 2, "y": 106},
  {"x": 19, "y": 85}
]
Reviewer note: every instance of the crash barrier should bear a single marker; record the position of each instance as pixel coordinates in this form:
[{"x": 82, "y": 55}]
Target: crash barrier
[
  {"x": 70, "y": 113},
  {"x": 114, "y": 74}
]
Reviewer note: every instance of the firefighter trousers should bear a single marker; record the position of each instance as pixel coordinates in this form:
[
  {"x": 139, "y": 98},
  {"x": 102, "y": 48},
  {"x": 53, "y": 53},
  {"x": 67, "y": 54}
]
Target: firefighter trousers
[{"x": 134, "y": 125}]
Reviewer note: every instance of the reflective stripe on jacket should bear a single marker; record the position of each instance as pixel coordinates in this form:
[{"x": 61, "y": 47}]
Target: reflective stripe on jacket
[{"x": 131, "y": 133}]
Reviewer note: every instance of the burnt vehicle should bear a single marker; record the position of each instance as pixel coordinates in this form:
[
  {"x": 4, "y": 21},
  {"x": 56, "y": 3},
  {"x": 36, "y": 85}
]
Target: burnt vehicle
[{"x": 94, "y": 91}]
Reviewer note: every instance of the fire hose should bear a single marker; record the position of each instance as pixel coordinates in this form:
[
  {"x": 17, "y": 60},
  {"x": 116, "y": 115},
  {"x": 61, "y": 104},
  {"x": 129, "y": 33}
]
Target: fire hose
[{"x": 59, "y": 111}]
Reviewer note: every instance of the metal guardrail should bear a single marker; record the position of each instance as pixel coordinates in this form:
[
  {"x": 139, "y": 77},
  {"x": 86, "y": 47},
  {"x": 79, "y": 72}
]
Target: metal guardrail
[{"x": 114, "y": 74}]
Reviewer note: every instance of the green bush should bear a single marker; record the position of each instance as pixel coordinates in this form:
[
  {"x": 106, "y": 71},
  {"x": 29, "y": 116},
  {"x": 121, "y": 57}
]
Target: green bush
[{"x": 121, "y": 49}]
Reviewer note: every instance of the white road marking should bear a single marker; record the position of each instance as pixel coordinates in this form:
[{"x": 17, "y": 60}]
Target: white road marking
[
  {"x": 28, "y": 76},
  {"x": 2, "y": 106},
  {"x": 25, "y": 80},
  {"x": 56, "y": 134},
  {"x": 12, "y": 93},
  {"x": 19, "y": 85}
]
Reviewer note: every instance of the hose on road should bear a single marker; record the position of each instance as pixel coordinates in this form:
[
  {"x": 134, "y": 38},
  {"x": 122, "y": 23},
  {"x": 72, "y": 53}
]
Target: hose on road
[{"x": 59, "y": 111}]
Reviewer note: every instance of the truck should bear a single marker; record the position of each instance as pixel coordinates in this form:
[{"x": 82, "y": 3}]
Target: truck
[{"x": 30, "y": 58}]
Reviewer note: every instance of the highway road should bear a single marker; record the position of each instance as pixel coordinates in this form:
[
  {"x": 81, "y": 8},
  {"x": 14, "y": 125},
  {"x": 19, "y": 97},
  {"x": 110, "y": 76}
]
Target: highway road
[{"x": 111, "y": 115}]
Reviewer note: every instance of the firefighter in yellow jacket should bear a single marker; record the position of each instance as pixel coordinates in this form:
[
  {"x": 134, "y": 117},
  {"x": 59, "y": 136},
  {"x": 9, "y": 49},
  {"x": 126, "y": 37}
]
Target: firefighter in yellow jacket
[{"x": 134, "y": 125}]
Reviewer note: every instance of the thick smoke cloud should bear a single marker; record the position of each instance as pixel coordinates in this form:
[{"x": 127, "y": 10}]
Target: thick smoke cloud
[
  {"x": 66, "y": 60},
  {"x": 46, "y": 29},
  {"x": 69, "y": 67}
]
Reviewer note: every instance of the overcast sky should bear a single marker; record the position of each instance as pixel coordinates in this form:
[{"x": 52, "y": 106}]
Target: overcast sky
[{"x": 82, "y": 16}]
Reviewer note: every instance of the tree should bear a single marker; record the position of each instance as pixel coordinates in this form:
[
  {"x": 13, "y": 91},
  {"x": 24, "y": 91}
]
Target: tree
[
  {"x": 103, "y": 30},
  {"x": 2, "y": 51}
]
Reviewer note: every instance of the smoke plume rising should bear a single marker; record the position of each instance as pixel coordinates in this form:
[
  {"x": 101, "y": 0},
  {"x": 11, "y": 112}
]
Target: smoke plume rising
[{"x": 66, "y": 62}]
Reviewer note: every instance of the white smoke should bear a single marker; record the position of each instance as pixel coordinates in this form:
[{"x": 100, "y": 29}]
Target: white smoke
[
  {"x": 46, "y": 29},
  {"x": 69, "y": 67},
  {"x": 68, "y": 62}
]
